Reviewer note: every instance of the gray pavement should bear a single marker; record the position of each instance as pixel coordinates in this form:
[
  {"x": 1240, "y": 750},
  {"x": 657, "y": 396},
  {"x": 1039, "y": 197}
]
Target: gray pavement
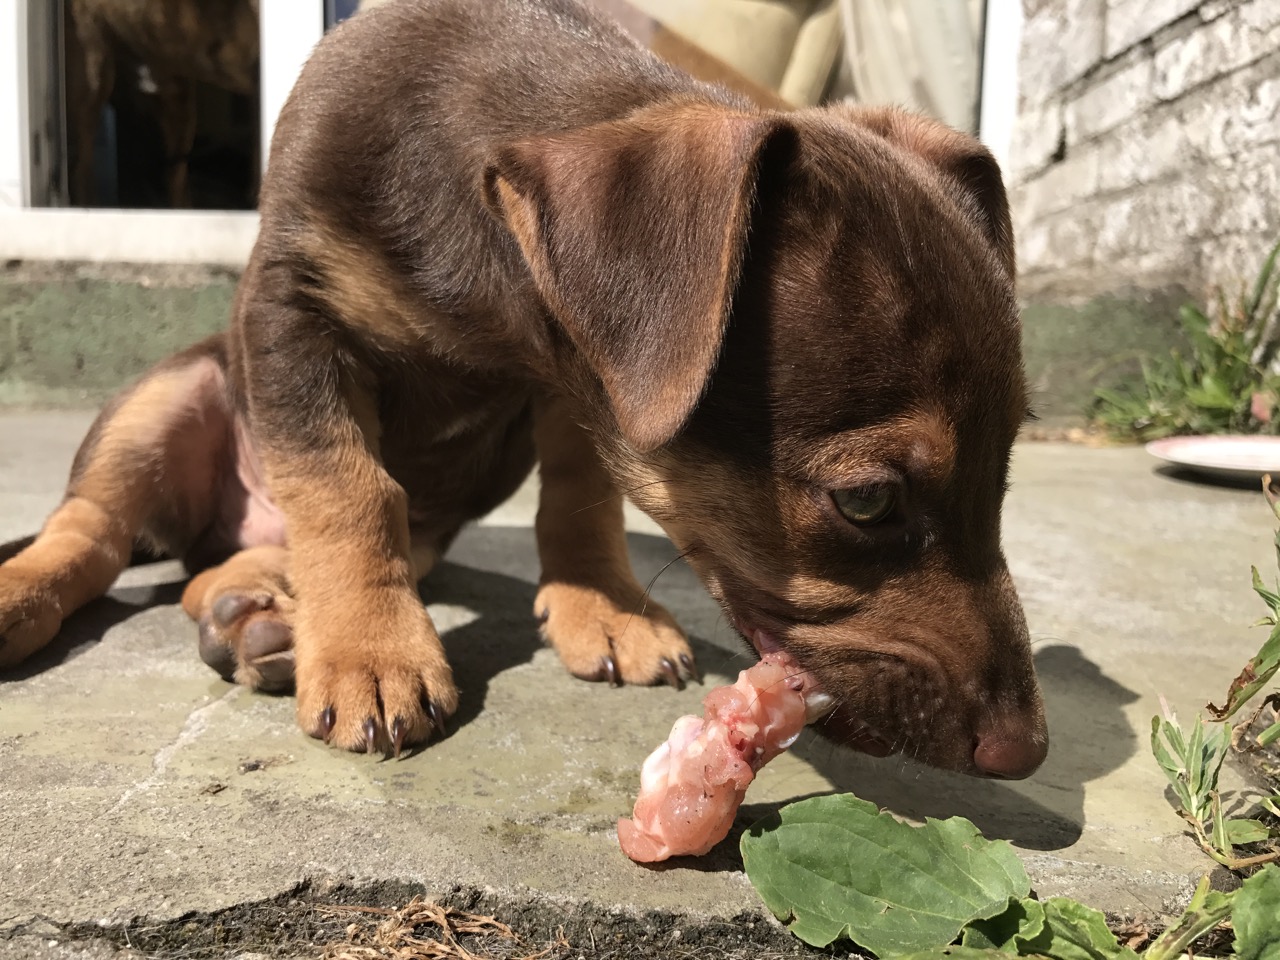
[{"x": 135, "y": 784}]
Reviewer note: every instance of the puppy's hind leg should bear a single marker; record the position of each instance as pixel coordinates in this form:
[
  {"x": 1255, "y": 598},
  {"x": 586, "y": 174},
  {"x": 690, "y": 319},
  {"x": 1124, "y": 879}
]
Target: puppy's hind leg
[{"x": 148, "y": 470}]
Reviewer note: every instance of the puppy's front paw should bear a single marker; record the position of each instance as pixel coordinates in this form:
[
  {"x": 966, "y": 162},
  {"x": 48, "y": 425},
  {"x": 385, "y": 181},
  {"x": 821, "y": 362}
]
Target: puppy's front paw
[
  {"x": 626, "y": 638},
  {"x": 30, "y": 615},
  {"x": 375, "y": 683}
]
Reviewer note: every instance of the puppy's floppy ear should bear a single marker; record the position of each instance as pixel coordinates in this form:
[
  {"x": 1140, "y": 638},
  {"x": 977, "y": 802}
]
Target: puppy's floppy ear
[
  {"x": 634, "y": 231},
  {"x": 962, "y": 158}
]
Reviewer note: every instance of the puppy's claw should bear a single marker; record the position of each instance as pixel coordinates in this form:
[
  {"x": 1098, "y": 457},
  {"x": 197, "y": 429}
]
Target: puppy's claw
[
  {"x": 611, "y": 671},
  {"x": 437, "y": 717},
  {"x": 670, "y": 674},
  {"x": 327, "y": 719},
  {"x": 370, "y": 735},
  {"x": 692, "y": 668},
  {"x": 398, "y": 729},
  {"x": 543, "y": 616}
]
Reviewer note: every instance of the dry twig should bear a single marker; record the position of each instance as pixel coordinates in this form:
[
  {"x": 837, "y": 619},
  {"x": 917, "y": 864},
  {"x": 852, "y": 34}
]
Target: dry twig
[{"x": 425, "y": 930}]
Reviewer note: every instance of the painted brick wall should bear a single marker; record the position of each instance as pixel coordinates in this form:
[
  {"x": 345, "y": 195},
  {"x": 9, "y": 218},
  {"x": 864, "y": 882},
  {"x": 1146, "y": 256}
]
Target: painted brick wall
[{"x": 1146, "y": 154}]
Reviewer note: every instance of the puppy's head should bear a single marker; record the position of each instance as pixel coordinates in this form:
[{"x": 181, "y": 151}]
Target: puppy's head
[{"x": 801, "y": 331}]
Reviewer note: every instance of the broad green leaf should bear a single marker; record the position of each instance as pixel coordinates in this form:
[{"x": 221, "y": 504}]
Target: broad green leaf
[
  {"x": 1073, "y": 931},
  {"x": 1023, "y": 920},
  {"x": 965, "y": 953},
  {"x": 1256, "y": 916},
  {"x": 1246, "y": 831},
  {"x": 837, "y": 867}
]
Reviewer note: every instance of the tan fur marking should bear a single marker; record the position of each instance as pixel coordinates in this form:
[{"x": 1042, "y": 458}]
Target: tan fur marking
[
  {"x": 363, "y": 642},
  {"x": 360, "y": 287}
]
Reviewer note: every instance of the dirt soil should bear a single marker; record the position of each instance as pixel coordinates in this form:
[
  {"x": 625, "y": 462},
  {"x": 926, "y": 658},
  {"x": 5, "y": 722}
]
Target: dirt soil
[{"x": 338, "y": 920}]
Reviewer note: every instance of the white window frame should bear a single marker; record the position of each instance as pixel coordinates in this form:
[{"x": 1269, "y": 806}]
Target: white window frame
[
  {"x": 288, "y": 30},
  {"x": 998, "y": 85}
]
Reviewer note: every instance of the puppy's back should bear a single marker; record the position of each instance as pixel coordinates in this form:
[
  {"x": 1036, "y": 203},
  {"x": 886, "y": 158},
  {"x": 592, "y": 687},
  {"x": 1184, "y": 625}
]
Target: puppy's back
[{"x": 387, "y": 130}]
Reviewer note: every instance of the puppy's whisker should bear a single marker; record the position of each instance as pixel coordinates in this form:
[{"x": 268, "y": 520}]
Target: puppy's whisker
[
  {"x": 644, "y": 597},
  {"x": 1050, "y": 636},
  {"x": 619, "y": 495}
]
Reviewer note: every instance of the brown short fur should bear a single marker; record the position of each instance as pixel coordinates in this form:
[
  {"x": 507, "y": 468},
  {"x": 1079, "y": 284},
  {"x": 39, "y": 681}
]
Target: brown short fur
[{"x": 500, "y": 231}]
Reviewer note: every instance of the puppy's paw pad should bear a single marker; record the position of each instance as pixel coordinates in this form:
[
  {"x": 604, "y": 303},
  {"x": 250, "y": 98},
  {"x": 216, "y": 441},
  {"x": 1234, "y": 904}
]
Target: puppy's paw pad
[
  {"x": 247, "y": 637},
  {"x": 627, "y": 639}
]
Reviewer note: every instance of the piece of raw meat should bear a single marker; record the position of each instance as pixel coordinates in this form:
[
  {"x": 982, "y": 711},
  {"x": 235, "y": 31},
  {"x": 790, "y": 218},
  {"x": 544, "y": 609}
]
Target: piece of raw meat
[{"x": 692, "y": 785}]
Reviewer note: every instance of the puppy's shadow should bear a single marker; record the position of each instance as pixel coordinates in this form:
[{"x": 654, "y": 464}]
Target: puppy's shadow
[
  {"x": 491, "y": 574},
  {"x": 491, "y": 571},
  {"x": 1089, "y": 733},
  {"x": 501, "y": 637}
]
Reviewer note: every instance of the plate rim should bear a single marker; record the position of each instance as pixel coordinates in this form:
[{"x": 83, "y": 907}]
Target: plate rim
[{"x": 1160, "y": 449}]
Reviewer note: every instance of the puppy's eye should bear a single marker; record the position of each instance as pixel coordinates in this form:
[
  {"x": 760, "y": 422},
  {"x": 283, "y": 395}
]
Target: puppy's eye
[{"x": 865, "y": 506}]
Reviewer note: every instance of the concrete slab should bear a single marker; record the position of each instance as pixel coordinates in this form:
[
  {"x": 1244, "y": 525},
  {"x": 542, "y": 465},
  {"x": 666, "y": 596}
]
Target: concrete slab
[{"x": 134, "y": 783}]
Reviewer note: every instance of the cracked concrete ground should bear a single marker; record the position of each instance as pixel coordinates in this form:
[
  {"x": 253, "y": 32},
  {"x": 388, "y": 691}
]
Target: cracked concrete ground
[{"x": 136, "y": 784}]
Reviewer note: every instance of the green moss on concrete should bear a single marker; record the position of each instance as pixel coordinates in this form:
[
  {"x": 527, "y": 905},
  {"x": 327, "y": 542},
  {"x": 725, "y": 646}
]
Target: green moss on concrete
[
  {"x": 71, "y": 335},
  {"x": 67, "y": 338},
  {"x": 1072, "y": 349}
]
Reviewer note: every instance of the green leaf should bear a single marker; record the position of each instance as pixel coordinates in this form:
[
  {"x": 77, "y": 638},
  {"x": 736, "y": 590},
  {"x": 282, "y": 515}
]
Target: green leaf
[
  {"x": 1174, "y": 767},
  {"x": 1195, "y": 763},
  {"x": 1269, "y": 735},
  {"x": 1256, "y": 916},
  {"x": 1221, "y": 833},
  {"x": 1270, "y": 804},
  {"x": 1255, "y": 675},
  {"x": 837, "y": 867},
  {"x": 965, "y": 953},
  {"x": 1246, "y": 831},
  {"x": 1262, "y": 283},
  {"x": 1024, "y": 920},
  {"x": 1272, "y": 598},
  {"x": 1207, "y": 909},
  {"x": 1073, "y": 931}
]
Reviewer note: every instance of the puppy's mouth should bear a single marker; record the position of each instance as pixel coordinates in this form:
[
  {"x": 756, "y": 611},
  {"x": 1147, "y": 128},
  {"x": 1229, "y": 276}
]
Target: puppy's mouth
[{"x": 820, "y": 706}]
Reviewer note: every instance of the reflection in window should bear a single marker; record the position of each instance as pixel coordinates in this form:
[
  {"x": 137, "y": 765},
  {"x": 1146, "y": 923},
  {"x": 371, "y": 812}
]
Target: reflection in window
[
  {"x": 161, "y": 103},
  {"x": 335, "y": 11}
]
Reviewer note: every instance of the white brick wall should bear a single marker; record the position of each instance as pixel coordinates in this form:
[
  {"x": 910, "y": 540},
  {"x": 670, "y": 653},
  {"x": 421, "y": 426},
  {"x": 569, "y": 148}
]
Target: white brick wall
[{"x": 1147, "y": 147}]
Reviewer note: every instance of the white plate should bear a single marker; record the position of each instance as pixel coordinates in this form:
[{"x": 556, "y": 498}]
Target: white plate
[{"x": 1228, "y": 457}]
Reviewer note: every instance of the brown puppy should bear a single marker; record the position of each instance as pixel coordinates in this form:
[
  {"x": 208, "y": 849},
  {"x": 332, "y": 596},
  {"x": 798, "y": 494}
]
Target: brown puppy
[{"x": 498, "y": 232}]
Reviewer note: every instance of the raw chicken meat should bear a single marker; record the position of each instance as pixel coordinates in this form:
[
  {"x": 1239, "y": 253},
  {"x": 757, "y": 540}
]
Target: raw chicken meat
[{"x": 692, "y": 785}]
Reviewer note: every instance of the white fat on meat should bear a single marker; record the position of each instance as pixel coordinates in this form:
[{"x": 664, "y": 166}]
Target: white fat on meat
[{"x": 692, "y": 785}]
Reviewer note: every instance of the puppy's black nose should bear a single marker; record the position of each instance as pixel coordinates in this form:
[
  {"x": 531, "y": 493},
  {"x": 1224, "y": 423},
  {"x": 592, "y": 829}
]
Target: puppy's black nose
[{"x": 1008, "y": 754}]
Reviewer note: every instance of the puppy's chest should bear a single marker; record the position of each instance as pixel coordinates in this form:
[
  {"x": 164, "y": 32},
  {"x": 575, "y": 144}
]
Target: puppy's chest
[{"x": 457, "y": 445}]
